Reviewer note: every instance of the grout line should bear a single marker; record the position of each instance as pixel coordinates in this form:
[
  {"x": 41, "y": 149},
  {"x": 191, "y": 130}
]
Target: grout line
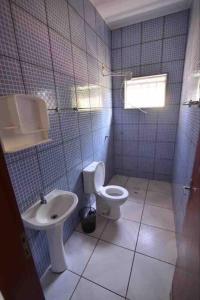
[
  {"x": 160, "y": 260},
  {"x": 97, "y": 241},
  {"x": 74, "y": 79},
  {"x": 123, "y": 297},
  {"x": 108, "y": 242},
  {"x": 83, "y": 270},
  {"x": 157, "y": 63},
  {"x": 82, "y": 276},
  {"x": 50, "y": 69},
  {"x": 56, "y": 94},
  {"x": 88, "y": 82},
  {"x": 159, "y": 206},
  {"x": 45, "y": 23},
  {"x": 156, "y": 227},
  {"x": 136, "y": 242},
  {"x": 25, "y": 89},
  {"x": 60, "y": 72},
  {"x": 147, "y": 42},
  {"x": 157, "y": 111},
  {"x": 17, "y": 46}
]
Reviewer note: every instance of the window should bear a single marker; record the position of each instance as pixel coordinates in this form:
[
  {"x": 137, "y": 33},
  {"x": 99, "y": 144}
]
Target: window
[{"x": 148, "y": 91}]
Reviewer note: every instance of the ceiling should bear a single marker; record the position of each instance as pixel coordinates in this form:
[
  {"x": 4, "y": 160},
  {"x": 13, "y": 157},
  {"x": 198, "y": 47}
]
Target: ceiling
[{"x": 119, "y": 13}]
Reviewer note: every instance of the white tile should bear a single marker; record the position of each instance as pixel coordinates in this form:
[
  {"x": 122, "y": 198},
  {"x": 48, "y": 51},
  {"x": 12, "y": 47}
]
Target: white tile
[
  {"x": 160, "y": 186},
  {"x": 159, "y": 217},
  {"x": 78, "y": 250},
  {"x": 159, "y": 199},
  {"x": 150, "y": 279},
  {"x": 87, "y": 290},
  {"x": 157, "y": 243},
  {"x": 131, "y": 211},
  {"x": 59, "y": 286},
  {"x": 118, "y": 180},
  {"x": 110, "y": 267},
  {"x": 136, "y": 195},
  {"x": 100, "y": 225},
  {"x": 137, "y": 183},
  {"x": 122, "y": 233}
]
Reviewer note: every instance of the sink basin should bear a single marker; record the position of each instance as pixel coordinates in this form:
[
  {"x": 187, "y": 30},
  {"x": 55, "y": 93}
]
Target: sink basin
[
  {"x": 60, "y": 205},
  {"x": 50, "y": 217}
]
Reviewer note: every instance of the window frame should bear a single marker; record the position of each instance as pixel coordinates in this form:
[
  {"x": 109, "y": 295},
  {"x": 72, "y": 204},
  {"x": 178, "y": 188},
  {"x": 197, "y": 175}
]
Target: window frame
[{"x": 143, "y": 77}]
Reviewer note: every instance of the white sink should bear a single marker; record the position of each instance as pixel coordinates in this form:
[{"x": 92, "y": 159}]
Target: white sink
[
  {"x": 50, "y": 217},
  {"x": 59, "y": 206}
]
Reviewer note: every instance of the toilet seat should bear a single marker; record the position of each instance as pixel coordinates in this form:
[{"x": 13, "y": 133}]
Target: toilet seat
[{"x": 113, "y": 193}]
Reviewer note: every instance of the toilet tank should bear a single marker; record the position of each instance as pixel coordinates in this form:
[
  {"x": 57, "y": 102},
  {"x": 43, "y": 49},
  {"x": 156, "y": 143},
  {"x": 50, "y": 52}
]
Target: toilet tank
[{"x": 91, "y": 182}]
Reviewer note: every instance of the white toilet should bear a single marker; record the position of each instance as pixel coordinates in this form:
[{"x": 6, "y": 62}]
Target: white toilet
[{"x": 108, "y": 198}]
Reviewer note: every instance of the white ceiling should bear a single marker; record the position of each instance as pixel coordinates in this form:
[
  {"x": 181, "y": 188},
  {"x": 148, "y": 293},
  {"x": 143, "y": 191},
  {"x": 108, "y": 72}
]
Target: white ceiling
[{"x": 119, "y": 13}]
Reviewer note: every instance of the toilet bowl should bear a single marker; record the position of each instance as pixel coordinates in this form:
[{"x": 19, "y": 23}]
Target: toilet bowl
[{"x": 108, "y": 198}]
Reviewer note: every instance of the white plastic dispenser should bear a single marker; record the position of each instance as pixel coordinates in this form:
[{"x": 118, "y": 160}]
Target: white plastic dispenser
[{"x": 24, "y": 122}]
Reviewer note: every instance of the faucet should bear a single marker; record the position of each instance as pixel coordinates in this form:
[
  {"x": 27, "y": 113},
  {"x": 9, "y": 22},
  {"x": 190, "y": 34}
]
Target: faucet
[{"x": 42, "y": 199}]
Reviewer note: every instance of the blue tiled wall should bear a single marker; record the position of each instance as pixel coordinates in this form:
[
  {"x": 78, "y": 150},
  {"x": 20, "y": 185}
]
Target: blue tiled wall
[
  {"x": 145, "y": 143},
  {"x": 55, "y": 49}
]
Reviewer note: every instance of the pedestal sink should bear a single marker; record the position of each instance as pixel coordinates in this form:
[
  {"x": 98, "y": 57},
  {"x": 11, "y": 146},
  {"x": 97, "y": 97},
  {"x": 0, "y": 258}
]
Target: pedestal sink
[{"x": 50, "y": 217}]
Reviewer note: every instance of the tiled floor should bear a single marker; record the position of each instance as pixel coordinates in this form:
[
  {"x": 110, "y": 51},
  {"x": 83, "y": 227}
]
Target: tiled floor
[{"x": 132, "y": 258}]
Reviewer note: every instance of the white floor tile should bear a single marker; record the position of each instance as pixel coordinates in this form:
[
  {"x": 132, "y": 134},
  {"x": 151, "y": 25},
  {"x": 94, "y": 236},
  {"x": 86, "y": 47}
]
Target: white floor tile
[
  {"x": 150, "y": 279},
  {"x": 122, "y": 233},
  {"x": 157, "y": 243},
  {"x": 136, "y": 195},
  {"x": 159, "y": 199},
  {"x": 87, "y": 290},
  {"x": 131, "y": 211},
  {"x": 78, "y": 250},
  {"x": 100, "y": 225},
  {"x": 160, "y": 186},
  {"x": 59, "y": 286},
  {"x": 110, "y": 267},
  {"x": 137, "y": 183},
  {"x": 118, "y": 180},
  {"x": 159, "y": 217}
]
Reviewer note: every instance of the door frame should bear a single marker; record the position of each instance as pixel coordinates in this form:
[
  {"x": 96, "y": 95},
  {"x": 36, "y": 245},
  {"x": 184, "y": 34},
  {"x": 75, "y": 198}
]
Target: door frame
[
  {"x": 186, "y": 281},
  {"x": 18, "y": 276}
]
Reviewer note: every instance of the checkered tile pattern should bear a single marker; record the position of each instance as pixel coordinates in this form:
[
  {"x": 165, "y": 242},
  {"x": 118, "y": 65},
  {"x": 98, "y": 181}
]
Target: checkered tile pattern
[
  {"x": 152, "y": 29},
  {"x": 144, "y": 143},
  {"x": 55, "y": 50},
  {"x": 90, "y": 17},
  {"x": 32, "y": 38},
  {"x": 10, "y": 76},
  {"x": 61, "y": 53},
  {"x": 40, "y": 82},
  {"x": 131, "y": 35},
  {"x": 8, "y": 44},
  {"x": 38, "y": 11},
  {"x": 77, "y": 29},
  {"x": 58, "y": 16}
]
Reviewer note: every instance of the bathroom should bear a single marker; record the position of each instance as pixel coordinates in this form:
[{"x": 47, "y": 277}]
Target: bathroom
[{"x": 116, "y": 131}]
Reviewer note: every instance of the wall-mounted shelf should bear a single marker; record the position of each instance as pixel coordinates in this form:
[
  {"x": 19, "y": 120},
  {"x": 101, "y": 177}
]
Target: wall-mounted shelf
[{"x": 23, "y": 122}]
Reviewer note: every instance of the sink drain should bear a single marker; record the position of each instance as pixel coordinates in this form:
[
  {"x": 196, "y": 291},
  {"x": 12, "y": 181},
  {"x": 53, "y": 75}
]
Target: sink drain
[{"x": 54, "y": 216}]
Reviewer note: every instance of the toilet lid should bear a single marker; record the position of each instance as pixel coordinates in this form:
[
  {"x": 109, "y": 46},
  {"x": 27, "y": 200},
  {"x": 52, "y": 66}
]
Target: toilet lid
[{"x": 99, "y": 176}]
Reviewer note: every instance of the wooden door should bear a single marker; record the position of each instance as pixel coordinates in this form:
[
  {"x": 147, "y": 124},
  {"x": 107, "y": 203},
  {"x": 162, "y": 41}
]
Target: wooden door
[
  {"x": 186, "y": 282},
  {"x": 18, "y": 277}
]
